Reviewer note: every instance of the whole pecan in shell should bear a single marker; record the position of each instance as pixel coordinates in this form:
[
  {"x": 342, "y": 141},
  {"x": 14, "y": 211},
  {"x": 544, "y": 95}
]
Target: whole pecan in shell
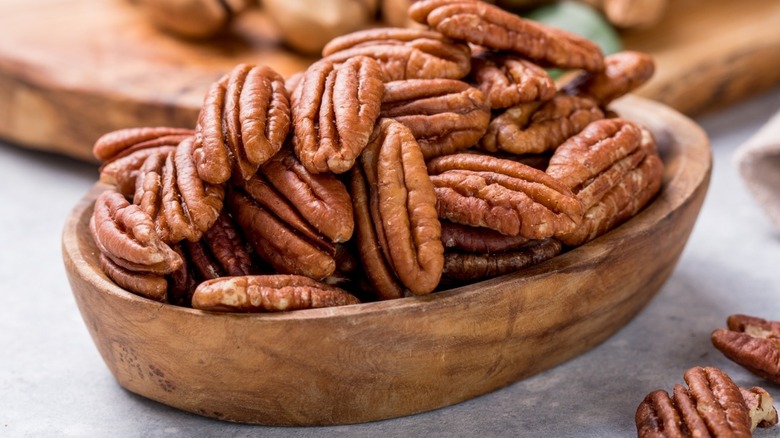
[
  {"x": 508, "y": 80},
  {"x": 624, "y": 72},
  {"x": 444, "y": 115},
  {"x": 504, "y": 195},
  {"x": 753, "y": 343},
  {"x": 402, "y": 205},
  {"x": 404, "y": 53},
  {"x": 473, "y": 266},
  {"x": 487, "y": 25},
  {"x": 334, "y": 109},
  {"x": 267, "y": 293},
  {"x": 538, "y": 127}
]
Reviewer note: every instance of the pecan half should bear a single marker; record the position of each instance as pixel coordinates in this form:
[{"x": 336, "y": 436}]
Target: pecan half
[
  {"x": 508, "y": 80},
  {"x": 503, "y": 195},
  {"x": 471, "y": 267},
  {"x": 123, "y": 142},
  {"x": 267, "y": 293},
  {"x": 475, "y": 239},
  {"x": 624, "y": 72},
  {"x": 243, "y": 122},
  {"x": 404, "y": 53},
  {"x": 711, "y": 406},
  {"x": 444, "y": 115},
  {"x": 761, "y": 408},
  {"x": 334, "y": 109},
  {"x": 126, "y": 236},
  {"x": 123, "y": 172},
  {"x": 152, "y": 286},
  {"x": 402, "y": 205},
  {"x": 181, "y": 282},
  {"x": 221, "y": 252},
  {"x": 537, "y": 127},
  {"x": 487, "y": 25},
  {"x": 753, "y": 343}
]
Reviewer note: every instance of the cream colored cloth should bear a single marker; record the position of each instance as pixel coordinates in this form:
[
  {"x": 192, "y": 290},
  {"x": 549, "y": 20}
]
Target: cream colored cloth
[{"x": 759, "y": 164}]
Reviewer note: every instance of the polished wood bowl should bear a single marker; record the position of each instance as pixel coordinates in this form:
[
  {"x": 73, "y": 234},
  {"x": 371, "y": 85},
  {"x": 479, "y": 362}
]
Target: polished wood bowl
[{"x": 387, "y": 359}]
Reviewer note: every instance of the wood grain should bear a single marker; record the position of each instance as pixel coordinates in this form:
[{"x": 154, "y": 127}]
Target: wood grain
[{"x": 387, "y": 359}]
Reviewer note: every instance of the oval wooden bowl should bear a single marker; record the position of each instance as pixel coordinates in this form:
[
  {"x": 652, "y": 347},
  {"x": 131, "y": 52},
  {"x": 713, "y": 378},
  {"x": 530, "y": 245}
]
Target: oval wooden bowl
[{"x": 388, "y": 359}]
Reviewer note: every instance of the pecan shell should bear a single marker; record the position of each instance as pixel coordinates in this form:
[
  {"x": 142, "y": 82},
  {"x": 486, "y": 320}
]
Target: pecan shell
[
  {"x": 537, "y": 127},
  {"x": 402, "y": 203},
  {"x": 123, "y": 142},
  {"x": 624, "y": 72},
  {"x": 508, "y": 80},
  {"x": 503, "y": 195},
  {"x": 444, "y": 115},
  {"x": 404, "y": 53},
  {"x": 753, "y": 343},
  {"x": 267, "y": 293},
  {"x": 487, "y": 25},
  {"x": 334, "y": 109},
  {"x": 471, "y": 266}
]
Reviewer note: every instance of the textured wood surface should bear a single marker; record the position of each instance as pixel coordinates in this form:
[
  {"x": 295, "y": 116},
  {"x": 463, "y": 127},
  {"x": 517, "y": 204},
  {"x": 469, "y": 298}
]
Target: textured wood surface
[
  {"x": 382, "y": 360},
  {"x": 72, "y": 70}
]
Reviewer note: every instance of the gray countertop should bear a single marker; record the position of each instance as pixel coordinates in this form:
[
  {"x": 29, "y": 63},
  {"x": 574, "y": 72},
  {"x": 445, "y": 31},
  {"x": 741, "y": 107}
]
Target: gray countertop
[{"x": 54, "y": 383}]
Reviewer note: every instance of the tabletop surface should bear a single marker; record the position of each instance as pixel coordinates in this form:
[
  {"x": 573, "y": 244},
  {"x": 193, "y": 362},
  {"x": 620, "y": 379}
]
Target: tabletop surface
[{"x": 54, "y": 383}]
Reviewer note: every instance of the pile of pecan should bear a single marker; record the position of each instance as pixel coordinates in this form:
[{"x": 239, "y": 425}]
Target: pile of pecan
[{"x": 405, "y": 161}]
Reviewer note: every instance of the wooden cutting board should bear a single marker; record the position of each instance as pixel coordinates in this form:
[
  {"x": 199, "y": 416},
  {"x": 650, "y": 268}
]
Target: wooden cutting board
[{"x": 71, "y": 70}]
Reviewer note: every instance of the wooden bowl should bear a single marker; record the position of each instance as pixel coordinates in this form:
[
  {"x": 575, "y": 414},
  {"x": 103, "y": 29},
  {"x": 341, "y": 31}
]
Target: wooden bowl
[{"x": 388, "y": 359}]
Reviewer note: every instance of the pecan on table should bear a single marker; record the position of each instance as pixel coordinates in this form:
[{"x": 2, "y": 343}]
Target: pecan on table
[
  {"x": 503, "y": 195},
  {"x": 613, "y": 168},
  {"x": 404, "y": 53},
  {"x": 267, "y": 293},
  {"x": 243, "y": 122},
  {"x": 131, "y": 252},
  {"x": 468, "y": 266},
  {"x": 334, "y": 109},
  {"x": 444, "y": 115},
  {"x": 624, "y": 72},
  {"x": 712, "y": 405},
  {"x": 508, "y": 80},
  {"x": 761, "y": 408},
  {"x": 536, "y": 127},
  {"x": 487, "y": 25},
  {"x": 753, "y": 343},
  {"x": 398, "y": 231}
]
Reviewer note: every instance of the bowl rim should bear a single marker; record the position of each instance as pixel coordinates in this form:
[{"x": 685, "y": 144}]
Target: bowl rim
[{"x": 693, "y": 148}]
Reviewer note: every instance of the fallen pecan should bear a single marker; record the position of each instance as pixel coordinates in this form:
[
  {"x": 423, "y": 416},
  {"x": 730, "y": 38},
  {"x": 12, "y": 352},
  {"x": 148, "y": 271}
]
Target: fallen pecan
[
  {"x": 753, "y": 343},
  {"x": 123, "y": 142},
  {"x": 503, "y": 195},
  {"x": 624, "y": 72},
  {"x": 711, "y": 406},
  {"x": 444, "y": 115},
  {"x": 508, "y": 80},
  {"x": 243, "y": 122},
  {"x": 404, "y": 53},
  {"x": 761, "y": 408},
  {"x": 537, "y": 127},
  {"x": 267, "y": 293},
  {"x": 471, "y": 266},
  {"x": 402, "y": 206},
  {"x": 487, "y": 25},
  {"x": 334, "y": 109},
  {"x": 476, "y": 239}
]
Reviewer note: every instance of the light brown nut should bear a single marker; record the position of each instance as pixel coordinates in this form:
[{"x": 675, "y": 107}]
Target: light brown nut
[
  {"x": 475, "y": 239},
  {"x": 472, "y": 266},
  {"x": 148, "y": 193},
  {"x": 404, "y": 53},
  {"x": 267, "y": 293},
  {"x": 761, "y": 408},
  {"x": 152, "y": 286},
  {"x": 508, "y": 80},
  {"x": 334, "y": 109},
  {"x": 126, "y": 235},
  {"x": 247, "y": 112},
  {"x": 444, "y": 115},
  {"x": 403, "y": 207},
  {"x": 276, "y": 242},
  {"x": 221, "y": 252},
  {"x": 321, "y": 199},
  {"x": 712, "y": 405},
  {"x": 624, "y": 72},
  {"x": 487, "y": 25},
  {"x": 537, "y": 127},
  {"x": 753, "y": 343},
  {"x": 123, "y": 142},
  {"x": 503, "y": 195},
  {"x": 123, "y": 172},
  {"x": 593, "y": 161}
]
